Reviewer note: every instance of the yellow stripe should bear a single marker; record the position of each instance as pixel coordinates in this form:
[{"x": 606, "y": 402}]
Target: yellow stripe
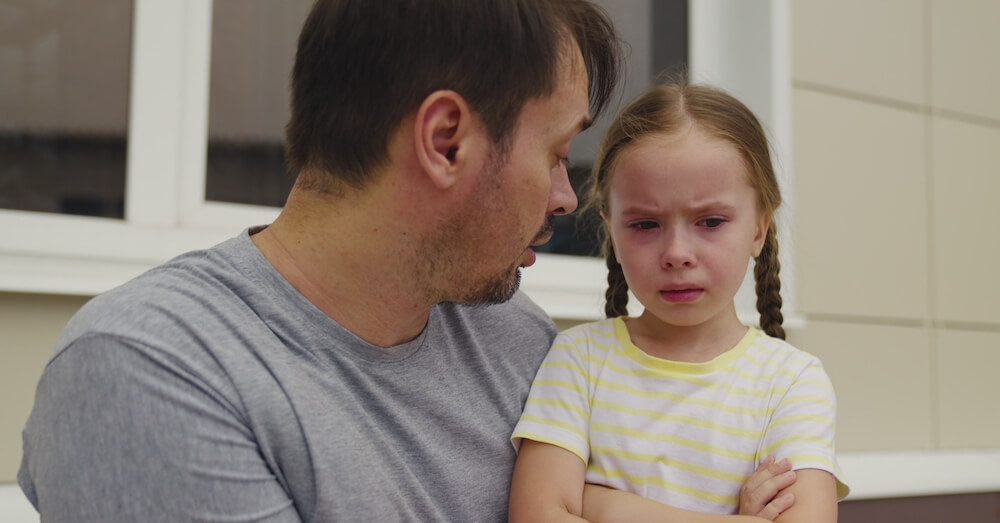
[
  {"x": 798, "y": 418},
  {"x": 796, "y": 438},
  {"x": 810, "y": 458},
  {"x": 669, "y": 438},
  {"x": 816, "y": 400},
  {"x": 564, "y": 365},
  {"x": 524, "y": 434},
  {"x": 680, "y": 398},
  {"x": 554, "y": 423},
  {"x": 644, "y": 457},
  {"x": 565, "y": 405},
  {"x": 560, "y": 384},
  {"x": 791, "y": 357},
  {"x": 687, "y": 420},
  {"x": 669, "y": 485},
  {"x": 815, "y": 382},
  {"x": 639, "y": 371},
  {"x": 702, "y": 383}
]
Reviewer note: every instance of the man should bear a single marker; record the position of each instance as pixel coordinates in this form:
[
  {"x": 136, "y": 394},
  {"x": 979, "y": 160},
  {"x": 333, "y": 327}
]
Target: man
[{"x": 338, "y": 364}]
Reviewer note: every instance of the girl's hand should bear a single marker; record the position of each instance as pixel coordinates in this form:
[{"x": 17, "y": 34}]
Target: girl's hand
[{"x": 762, "y": 496}]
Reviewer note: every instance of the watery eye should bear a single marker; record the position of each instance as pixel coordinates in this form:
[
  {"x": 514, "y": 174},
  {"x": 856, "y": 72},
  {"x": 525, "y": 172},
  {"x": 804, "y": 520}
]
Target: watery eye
[
  {"x": 644, "y": 226},
  {"x": 712, "y": 223}
]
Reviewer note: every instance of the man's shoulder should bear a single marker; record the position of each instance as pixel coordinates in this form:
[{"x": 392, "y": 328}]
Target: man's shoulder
[{"x": 165, "y": 301}]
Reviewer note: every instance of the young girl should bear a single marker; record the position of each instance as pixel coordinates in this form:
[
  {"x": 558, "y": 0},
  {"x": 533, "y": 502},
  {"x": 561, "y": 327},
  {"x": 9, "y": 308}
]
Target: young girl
[{"x": 681, "y": 404}]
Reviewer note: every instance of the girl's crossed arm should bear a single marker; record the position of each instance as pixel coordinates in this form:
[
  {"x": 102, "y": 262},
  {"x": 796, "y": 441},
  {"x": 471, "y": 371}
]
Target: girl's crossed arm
[
  {"x": 815, "y": 494},
  {"x": 548, "y": 485}
]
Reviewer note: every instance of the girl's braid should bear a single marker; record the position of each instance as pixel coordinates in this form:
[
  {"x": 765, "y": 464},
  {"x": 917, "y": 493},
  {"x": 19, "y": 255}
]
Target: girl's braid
[
  {"x": 766, "y": 270},
  {"x": 616, "y": 297}
]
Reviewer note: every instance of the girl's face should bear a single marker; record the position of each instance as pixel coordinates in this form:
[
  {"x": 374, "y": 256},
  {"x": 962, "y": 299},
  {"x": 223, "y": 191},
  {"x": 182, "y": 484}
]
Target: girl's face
[{"x": 684, "y": 224}]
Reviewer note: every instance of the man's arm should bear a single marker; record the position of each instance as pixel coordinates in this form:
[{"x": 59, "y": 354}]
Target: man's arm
[{"x": 124, "y": 432}]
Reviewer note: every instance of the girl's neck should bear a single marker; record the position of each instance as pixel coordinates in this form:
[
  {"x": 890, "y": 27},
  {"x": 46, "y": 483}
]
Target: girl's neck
[{"x": 686, "y": 343}]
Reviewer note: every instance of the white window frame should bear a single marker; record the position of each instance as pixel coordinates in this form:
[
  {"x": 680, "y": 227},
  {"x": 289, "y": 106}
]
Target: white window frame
[{"x": 165, "y": 208}]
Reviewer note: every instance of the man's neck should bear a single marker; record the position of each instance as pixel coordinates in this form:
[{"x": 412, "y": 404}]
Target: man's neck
[{"x": 347, "y": 265}]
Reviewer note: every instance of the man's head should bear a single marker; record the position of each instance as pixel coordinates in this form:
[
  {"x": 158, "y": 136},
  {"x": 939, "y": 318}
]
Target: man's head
[
  {"x": 517, "y": 189},
  {"x": 363, "y": 66}
]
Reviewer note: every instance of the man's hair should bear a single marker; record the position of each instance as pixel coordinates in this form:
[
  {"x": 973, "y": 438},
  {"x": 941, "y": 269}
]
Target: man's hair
[{"x": 362, "y": 66}]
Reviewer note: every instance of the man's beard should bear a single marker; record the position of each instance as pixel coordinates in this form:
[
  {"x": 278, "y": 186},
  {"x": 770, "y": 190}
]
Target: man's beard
[
  {"x": 448, "y": 252},
  {"x": 502, "y": 287}
]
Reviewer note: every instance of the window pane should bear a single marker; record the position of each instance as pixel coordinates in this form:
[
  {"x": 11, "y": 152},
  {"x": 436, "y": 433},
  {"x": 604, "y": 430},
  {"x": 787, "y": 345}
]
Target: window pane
[
  {"x": 656, "y": 34},
  {"x": 64, "y": 72},
  {"x": 253, "y": 49},
  {"x": 576, "y": 233}
]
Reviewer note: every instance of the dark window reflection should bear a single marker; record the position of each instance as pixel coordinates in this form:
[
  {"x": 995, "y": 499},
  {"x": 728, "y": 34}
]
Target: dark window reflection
[
  {"x": 253, "y": 49},
  {"x": 576, "y": 233},
  {"x": 64, "y": 72}
]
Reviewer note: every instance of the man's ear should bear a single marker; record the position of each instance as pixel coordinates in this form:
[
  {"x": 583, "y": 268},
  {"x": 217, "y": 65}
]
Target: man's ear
[{"x": 443, "y": 136}]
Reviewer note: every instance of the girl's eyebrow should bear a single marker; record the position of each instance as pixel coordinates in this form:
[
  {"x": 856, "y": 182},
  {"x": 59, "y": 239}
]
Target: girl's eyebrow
[
  {"x": 715, "y": 205},
  {"x": 711, "y": 206}
]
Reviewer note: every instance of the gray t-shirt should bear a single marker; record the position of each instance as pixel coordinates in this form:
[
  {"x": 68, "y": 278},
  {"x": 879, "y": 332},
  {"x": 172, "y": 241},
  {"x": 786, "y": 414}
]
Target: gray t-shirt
[{"x": 209, "y": 389}]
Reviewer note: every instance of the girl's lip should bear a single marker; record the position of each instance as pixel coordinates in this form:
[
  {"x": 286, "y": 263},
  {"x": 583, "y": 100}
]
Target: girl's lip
[{"x": 683, "y": 295}]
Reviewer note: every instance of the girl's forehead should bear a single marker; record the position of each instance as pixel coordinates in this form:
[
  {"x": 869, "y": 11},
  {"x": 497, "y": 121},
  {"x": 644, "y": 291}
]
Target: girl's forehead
[
  {"x": 680, "y": 170},
  {"x": 682, "y": 156}
]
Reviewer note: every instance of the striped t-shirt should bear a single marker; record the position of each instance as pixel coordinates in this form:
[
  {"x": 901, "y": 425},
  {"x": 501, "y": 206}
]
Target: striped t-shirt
[{"x": 685, "y": 434}]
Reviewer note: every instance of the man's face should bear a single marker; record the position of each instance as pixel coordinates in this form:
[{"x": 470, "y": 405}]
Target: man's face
[{"x": 523, "y": 187}]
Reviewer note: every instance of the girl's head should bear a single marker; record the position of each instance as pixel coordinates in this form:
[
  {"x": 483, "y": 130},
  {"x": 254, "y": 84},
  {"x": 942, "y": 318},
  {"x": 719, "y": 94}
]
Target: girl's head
[{"x": 649, "y": 165}]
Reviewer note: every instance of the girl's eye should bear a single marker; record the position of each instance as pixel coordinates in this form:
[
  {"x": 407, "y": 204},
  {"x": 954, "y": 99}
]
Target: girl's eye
[
  {"x": 644, "y": 226},
  {"x": 712, "y": 223}
]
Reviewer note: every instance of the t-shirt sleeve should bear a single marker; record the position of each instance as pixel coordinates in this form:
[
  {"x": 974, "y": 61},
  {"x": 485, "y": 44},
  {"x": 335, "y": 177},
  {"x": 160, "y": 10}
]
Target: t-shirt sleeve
[
  {"x": 802, "y": 427},
  {"x": 557, "y": 410},
  {"x": 120, "y": 432}
]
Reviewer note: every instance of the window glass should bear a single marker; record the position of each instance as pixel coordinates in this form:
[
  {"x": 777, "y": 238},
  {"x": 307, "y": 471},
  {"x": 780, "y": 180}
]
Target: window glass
[
  {"x": 64, "y": 74},
  {"x": 253, "y": 50},
  {"x": 655, "y": 33}
]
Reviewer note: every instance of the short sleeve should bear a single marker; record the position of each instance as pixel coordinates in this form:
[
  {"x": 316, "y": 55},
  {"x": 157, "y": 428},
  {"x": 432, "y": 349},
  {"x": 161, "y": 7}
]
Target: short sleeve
[
  {"x": 557, "y": 410},
  {"x": 802, "y": 427},
  {"x": 120, "y": 432}
]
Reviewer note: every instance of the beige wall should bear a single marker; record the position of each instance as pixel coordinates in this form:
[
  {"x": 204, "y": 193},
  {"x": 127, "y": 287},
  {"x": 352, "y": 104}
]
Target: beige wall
[
  {"x": 29, "y": 326},
  {"x": 897, "y": 172}
]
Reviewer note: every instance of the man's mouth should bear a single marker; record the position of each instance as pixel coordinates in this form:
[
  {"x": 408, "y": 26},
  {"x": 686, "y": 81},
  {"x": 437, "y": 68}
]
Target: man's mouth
[{"x": 545, "y": 233}]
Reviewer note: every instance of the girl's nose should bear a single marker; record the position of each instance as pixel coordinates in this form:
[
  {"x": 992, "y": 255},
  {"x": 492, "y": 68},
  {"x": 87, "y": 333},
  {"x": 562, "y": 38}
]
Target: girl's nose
[{"x": 677, "y": 251}]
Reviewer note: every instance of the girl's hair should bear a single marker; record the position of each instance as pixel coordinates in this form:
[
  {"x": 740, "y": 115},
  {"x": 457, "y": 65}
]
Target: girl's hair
[{"x": 666, "y": 109}]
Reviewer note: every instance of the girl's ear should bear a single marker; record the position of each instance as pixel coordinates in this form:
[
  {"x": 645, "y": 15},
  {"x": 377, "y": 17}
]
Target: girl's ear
[
  {"x": 444, "y": 136},
  {"x": 763, "y": 224}
]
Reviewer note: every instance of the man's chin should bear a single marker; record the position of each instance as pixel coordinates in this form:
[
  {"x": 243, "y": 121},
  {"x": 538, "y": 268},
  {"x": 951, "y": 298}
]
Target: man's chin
[{"x": 500, "y": 290}]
